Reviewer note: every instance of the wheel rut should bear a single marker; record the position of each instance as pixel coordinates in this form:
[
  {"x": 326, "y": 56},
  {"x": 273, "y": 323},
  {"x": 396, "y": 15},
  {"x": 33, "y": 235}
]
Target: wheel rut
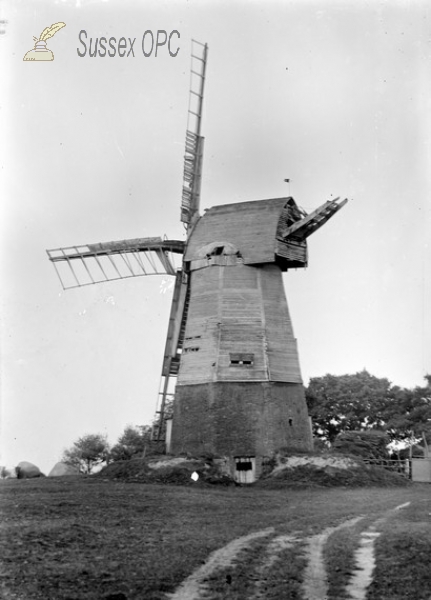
[
  {"x": 195, "y": 586},
  {"x": 314, "y": 584}
]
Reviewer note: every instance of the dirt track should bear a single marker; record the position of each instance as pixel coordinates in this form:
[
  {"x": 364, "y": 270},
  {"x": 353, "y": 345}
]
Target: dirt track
[{"x": 91, "y": 539}]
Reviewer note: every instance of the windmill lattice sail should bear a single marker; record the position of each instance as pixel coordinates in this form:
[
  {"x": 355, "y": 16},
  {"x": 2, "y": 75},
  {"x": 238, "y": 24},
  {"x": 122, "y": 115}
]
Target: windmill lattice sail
[
  {"x": 77, "y": 266},
  {"x": 190, "y": 202},
  {"x": 194, "y": 141}
]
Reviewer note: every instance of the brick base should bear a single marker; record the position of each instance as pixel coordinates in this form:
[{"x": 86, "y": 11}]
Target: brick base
[{"x": 240, "y": 419}]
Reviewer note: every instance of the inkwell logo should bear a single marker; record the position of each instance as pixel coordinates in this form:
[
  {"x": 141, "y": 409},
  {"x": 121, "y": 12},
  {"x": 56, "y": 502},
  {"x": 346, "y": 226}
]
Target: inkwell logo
[{"x": 40, "y": 51}]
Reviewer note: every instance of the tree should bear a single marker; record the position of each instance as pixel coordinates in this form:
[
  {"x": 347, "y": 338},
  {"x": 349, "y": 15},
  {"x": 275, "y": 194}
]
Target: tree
[
  {"x": 87, "y": 452},
  {"x": 363, "y": 402},
  {"x": 347, "y": 403},
  {"x": 134, "y": 441},
  {"x": 367, "y": 444},
  {"x": 409, "y": 415}
]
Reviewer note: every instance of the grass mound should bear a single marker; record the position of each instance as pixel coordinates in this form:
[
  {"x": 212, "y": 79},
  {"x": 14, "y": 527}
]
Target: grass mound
[
  {"x": 173, "y": 471},
  {"x": 300, "y": 471},
  {"x": 312, "y": 475}
]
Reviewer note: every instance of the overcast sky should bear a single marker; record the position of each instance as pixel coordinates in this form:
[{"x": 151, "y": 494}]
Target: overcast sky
[{"x": 334, "y": 95}]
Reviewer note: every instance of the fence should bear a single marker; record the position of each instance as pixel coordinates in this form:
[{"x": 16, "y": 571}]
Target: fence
[
  {"x": 396, "y": 466},
  {"x": 416, "y": 469}
]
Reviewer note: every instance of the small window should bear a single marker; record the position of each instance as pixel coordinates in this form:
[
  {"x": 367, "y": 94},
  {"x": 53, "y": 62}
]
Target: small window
[
  {"x": 241, "y": 362},
  {"x": 216, "y": 251},
  {"x": 290, "y": 422},
  {"x": 240, "y": 359},
  {"x": 191, "y": 349},
  {"x": 243, "y": 464}
]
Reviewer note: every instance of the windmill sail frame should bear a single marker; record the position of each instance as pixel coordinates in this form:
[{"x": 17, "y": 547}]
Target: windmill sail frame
[
  {"x": 193, "y": 158},
  {"x": 78, "y": 266},
  {"x": 190, "y": 202}
]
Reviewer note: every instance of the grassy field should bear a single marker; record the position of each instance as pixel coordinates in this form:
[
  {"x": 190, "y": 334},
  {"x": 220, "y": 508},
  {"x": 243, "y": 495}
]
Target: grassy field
[{"x": 88, "y": 538}]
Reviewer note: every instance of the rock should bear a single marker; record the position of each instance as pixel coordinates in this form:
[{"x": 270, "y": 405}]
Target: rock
[
  {"x": 62, "y": 469},
  {"x": 27, "y": 470}
]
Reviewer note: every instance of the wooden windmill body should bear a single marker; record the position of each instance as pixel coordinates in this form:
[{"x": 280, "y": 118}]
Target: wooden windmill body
[{"x": 230, "y": 345}]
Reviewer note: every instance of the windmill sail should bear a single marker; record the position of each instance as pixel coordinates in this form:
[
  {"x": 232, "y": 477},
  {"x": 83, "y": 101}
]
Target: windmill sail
[
  {"x": 194, "y": 141},
  {"x": 304, "y": 227},
  {"x": 77, "y": 266},
  {"x": 173, "y": 349},
  {"x": 190, "y": 202}
]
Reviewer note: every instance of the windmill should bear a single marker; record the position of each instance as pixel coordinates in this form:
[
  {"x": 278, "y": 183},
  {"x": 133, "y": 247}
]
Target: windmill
[{"x": 230, "y": 363}]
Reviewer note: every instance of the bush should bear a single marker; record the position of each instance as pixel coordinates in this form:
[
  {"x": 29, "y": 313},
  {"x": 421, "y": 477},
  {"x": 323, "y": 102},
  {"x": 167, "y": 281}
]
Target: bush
[
  {"x": 366, "y": 444},
  {"x": 134, "y": 441}
]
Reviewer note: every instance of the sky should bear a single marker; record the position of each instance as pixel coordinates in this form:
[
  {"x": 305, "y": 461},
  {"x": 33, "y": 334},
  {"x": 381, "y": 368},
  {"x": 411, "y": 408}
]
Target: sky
[{"x": 333, "y": 95}]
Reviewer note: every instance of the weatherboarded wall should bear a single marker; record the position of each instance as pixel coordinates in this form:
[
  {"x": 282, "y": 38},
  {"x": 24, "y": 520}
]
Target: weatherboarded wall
[
  {"x": 240, "y": 418},
  {"x": 238, "y": 310}
]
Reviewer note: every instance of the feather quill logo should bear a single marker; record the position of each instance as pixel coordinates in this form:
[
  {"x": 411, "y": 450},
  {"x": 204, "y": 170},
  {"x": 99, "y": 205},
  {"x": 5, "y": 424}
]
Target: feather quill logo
[{"x": 40, "y": 51}]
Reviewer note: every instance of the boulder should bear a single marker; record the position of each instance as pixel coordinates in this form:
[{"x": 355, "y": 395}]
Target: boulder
[
  {"x": 62, "y": 469},
  {"x": 27, "y": 470}
]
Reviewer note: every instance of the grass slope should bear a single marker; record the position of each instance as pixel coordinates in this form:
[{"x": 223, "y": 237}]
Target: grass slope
[
  {"x": 88, "y": 538},
  {"x": 403, "y": 552}
]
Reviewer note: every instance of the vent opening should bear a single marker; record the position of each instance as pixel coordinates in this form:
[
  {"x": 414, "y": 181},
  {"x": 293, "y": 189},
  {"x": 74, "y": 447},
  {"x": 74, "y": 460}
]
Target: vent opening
[{"x": 191, "y": 349}]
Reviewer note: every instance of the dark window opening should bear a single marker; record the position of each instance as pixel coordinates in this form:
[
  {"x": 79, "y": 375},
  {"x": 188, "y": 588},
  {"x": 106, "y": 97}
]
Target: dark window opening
[
  {"x": 290, "y": 422},
  {"x": 241, "y": 359},
  {"x": 243, "y": 464},
  {"x": 191, "y": 349},
  {"x": 241, "y": 362},
  {"x": 217, "y": 251}
]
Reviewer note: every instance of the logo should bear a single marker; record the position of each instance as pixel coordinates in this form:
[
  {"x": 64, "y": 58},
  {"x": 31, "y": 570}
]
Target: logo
[{"x": 40, "y": 51}]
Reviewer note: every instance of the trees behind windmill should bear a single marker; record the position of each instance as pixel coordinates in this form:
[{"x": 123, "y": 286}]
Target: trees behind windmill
[
  {"x": 87, "y": 453},
  {"x": 339, "y": 406},
  {"x": 134, "y": 441},
  {"x": 363, "y": 402},
  {"x": 93, "y": 450}
]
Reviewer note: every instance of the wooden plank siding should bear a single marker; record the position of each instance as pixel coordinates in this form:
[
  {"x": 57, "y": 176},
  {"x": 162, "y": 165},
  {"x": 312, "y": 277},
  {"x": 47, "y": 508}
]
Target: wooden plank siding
[
  {"x": 282, "y": 352},
  {"x": 250, "y": 226},
  {"x": 238, "y": 309},
  {"x": 293, "y": 250},
  {"x": 202, "y": 329},
  {"x": 242, "y": 325}
]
